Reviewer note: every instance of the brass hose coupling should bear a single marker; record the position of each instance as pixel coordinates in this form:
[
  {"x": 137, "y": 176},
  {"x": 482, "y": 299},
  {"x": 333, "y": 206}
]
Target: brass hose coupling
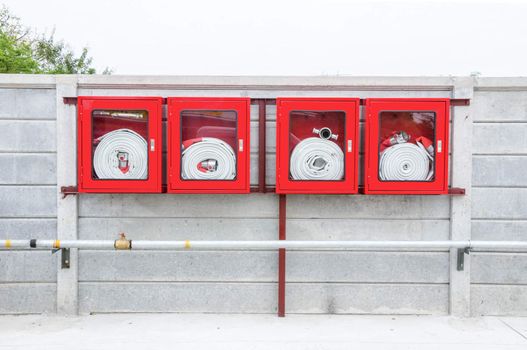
[{"x": 122, "y": 243}]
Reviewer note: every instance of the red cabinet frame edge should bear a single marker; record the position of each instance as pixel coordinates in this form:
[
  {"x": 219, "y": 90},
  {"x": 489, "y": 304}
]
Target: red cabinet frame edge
[
  {"x": 346, "y": 186},
  {"x": 369, "y": 167},
  {"x": 174, "y": 149},
  {"x": 84, "y": 156}
]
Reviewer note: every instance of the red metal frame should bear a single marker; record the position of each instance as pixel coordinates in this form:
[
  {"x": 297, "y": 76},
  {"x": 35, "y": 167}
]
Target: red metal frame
[
  {"x": 351, "y": 127},
  {"x": 86, "y": 105},
  {"x": 178, "y": 104},
  {"x": 262, "y": 118},
  {"x": 372, "y": 184},
  {"x": 282, "y": 216}
]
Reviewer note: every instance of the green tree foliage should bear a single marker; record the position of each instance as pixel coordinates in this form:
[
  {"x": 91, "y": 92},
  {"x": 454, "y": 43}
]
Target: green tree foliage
[
  {"x": 55, "y": 58},
  {"x": 22, "y": 51},
  {"x": 16, "y": 56}
]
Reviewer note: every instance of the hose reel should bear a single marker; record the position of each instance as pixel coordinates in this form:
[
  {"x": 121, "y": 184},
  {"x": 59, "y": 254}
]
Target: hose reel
[
  {"x": 121, "y": 154},
  {"x": 317, "y": 158},
  {"x": 405, "y": 161},
  {"x": 208, "y": 158}
]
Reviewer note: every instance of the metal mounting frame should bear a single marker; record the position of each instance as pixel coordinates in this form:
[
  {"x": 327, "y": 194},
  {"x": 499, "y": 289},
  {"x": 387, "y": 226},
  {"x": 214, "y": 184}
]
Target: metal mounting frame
[{"x": 272, "y": 101}]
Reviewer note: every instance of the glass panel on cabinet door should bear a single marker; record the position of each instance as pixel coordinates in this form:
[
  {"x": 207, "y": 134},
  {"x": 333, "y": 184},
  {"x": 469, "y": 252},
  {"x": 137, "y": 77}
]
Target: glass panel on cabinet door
[
  {"x": 209, "y": 145},
  {"x": 406, "y": 146},
  {"x": 316, "y": 145},
  {"x": 119, "y": 144}
]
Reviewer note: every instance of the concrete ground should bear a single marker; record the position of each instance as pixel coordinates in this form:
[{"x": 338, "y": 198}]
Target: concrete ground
[{"x": 196, "y": 331}]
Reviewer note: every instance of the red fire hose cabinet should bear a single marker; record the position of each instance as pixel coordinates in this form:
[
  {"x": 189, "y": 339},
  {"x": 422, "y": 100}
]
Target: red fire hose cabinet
[
  {"x": 119, "y": 144},
  {"x": 407, "y": 146},
  {"x": 317, "y": 143},
  {"x": 208, "y": 145}
]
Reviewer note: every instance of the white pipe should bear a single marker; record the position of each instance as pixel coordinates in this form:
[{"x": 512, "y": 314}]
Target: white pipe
[
  {"x": 244, "y": 245},
  {"x": 290, "y": 244}
]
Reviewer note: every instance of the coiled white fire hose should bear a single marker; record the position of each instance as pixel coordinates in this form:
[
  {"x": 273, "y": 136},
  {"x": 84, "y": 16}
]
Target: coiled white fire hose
[
  {"x": 406, "y": 162},
  {"x": 208, "y": 159},
  {"x": 121, "y": 154},
  {"x": 317, "y": 159}
]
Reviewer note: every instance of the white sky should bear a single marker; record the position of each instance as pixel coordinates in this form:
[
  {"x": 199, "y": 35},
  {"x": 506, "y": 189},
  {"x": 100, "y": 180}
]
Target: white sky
[{"x": 230, "y": 37}]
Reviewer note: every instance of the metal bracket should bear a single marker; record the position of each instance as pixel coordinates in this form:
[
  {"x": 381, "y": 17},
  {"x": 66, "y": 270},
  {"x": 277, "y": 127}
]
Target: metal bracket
[
  {"x": 456, "y": 191},
  {"x": 64, "y": 257},
  {"x": 69, "y": 190},
  {"x": 460, "y": 101},
  {"x": 69, "y": 100},
  {"x": 461, "y": 258}
]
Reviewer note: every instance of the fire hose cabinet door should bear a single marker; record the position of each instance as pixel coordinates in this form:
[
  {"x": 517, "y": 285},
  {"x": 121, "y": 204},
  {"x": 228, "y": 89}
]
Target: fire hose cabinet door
[
  {"x": 317, "y": 145},
  {"x": 119, "y": 144},
  {"x": 208, "y": 145},
  {"x": 407, "y": 146}
]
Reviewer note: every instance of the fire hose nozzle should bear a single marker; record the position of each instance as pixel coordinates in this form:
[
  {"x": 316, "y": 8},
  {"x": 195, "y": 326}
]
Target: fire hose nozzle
[
  {"x": 209, "y": 165},
  {"x": 325, "y": 133},
  {"x": 122, "y": 243},
  {"x": 399, "y": 137}
]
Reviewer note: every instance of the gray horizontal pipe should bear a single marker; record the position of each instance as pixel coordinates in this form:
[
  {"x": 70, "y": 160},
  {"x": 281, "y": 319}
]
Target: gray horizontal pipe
[{"x": 243, "y": 245}]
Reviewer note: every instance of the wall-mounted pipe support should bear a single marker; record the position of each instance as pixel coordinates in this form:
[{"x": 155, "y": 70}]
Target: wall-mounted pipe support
[
  {"x": 461, "y": 258},
  {"x": 262, "y": 122},
  {"x": 65, "y": 258}
]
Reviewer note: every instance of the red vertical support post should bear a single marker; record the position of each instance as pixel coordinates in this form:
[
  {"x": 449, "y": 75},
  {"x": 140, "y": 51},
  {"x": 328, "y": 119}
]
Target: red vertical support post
[
  {"x": 281, "y": 255},
  {"x": 262, "y": 117}
]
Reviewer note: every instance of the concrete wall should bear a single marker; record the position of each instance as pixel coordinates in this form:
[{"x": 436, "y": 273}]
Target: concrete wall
[
  {"x": 499, "y": 206},
  {"x": 28, "y": 177},
  {"x": 382, "y": 282}
]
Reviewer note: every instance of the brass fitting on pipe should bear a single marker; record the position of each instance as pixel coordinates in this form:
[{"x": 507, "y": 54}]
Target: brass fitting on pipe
[{"x": 122, "y": 243}]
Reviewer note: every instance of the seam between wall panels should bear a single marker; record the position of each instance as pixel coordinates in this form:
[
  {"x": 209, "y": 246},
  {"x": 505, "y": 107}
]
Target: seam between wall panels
[
  {"x": 242, "y": 282},
  {"x": 460, "y": 207},
  {"x": 67, "y": 207}
]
